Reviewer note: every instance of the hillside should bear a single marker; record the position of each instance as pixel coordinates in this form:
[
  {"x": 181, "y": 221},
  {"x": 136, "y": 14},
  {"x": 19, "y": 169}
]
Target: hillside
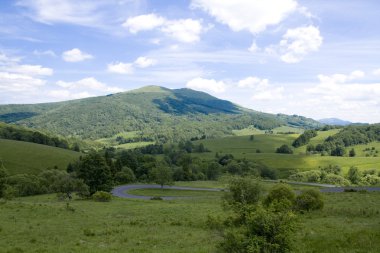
[
  {"x": 156, "y": 113},
  {"x": 335, "y": 122},
  {"x": 24, "y": 157}
]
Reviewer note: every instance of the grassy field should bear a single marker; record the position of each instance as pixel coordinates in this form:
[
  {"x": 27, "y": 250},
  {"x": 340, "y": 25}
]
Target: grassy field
[
  {"x": 25, "y": 157},
  {"x": 111, "y": 142},
  {"x": 243, "y": 147},
  {"x": 350, "y": 222}
]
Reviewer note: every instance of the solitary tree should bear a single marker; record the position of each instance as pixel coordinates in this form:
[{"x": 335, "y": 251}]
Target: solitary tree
[
  {"x": 352, "y": 153},
  {"x": 354, "y": 175},
  {"x": 162, "y": 175}
]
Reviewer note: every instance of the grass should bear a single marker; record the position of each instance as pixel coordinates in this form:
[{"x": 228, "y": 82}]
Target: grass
[
  {"x": 173, "y": 193},
  {"x": 25, "y": 157},
  {"x": 113, "y": 143},
  {"x": 242, "y": 147},
  {"x": 350, "y": 222}
]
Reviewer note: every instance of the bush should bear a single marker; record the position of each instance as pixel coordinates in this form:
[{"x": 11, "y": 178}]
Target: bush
[
  {"x": 243, "y": 191},
  {"x": 309, "y": 200},
  {"x": 125, "y": 176},
  {"x": 281, "y": 197},
  {"x": 335, "y": 179},
  {"x": 284, "y": 149},
  {"x": 156, "y": 198},
  {"x": 102, "y": 196}
]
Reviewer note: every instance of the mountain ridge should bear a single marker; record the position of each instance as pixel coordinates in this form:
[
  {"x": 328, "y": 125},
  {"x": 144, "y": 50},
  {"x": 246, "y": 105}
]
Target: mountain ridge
[{"x": 157, "y": 113}]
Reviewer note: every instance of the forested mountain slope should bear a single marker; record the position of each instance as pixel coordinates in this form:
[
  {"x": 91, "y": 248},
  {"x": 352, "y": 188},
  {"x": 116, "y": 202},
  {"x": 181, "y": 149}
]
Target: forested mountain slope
[{"x": 157, "y": 113}]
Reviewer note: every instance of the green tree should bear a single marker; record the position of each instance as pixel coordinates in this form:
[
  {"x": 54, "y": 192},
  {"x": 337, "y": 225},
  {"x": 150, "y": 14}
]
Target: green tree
[
  {"x": 95, "y": 173},
  {"x": 243, "y": 191},
  {"x": 125, "y": 176},
  {"x": 284, "y": 149},
  {"x": 281, "y": 196},
  {"x": 309, "y": 200},
  {"x": 162, "y": 175},
  {"x": 352, "y": 153},
  {"x": 354, "y": 175},
  {"x": 252, "y": 137},
  {"x": 66, "y": 185}
]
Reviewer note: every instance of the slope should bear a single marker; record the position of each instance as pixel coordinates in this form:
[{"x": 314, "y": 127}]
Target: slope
[
  {"x": 24, "y": 157},
  {"x": 157, "y": 113}
]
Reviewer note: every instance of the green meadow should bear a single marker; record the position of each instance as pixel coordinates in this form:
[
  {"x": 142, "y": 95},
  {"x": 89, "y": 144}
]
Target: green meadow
[
  {"x": 263, "y": 148},
  {"x": 349, "y": 222},
  {"x": 24, "y": 157}
]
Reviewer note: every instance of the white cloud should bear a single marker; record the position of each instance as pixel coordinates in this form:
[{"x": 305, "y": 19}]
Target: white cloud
[
  {"x": 75, "y": 55},
  {"x": 183, "y": 30},
  {"x": 14, "y": 82},
  {"x": 88, "y": 83},
  {"x": 261, "y": 88},
  {"x": 143, "y": 23},
  {"x": 253, "y": 48},
  {"x": 144, "y": 62},
  {"x": 44, "y": 53},
  {"x": 31, "y": 70},
  {"x": 376, "y": 72},
  {"x": 251, "y": 15},
  {"x": 341, "y": 78},
  {"x": 66, "y": 95},
  {"x": 297, "y": 43},
  {"x": 120, "y": 68},
  {"x": 207, "y": 85}
]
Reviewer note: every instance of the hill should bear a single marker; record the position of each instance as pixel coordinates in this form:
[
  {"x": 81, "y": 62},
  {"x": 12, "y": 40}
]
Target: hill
[
  {"x": 335, "y": 122},
  {"x": 155, "y": 113},
  {"x": 24, "y": 157}
]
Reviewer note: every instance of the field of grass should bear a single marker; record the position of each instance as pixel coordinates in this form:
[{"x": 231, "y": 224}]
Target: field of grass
[
  {"x": 350, "y": 222},
  {"x": 251, "y": 130},
  {"x": 111, "y": 142},
  {"x": 287, "y": 129},
  {"x": 242, "y": 147},
  {"x": 360, "y": 150},
  {"x": 25, "y": 157}
]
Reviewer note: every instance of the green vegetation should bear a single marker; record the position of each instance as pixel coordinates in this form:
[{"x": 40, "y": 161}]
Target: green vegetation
[
  {"x": 174, "y": 193},
  {"x": 304, "y": 138},
  {"x": 157, "y": 114},
  {"x": 23, "y": 157}
]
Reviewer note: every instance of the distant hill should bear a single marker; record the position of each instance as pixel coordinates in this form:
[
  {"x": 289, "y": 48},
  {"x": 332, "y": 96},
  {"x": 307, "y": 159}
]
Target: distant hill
[
  {"x": 156, "y": 113},
  {"x": 30, "y": 158},
  {"x": 335, "y": 122}
]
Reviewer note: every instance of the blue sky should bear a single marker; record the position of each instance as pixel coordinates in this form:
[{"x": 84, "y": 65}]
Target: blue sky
[{"x": 314, "y": 58}]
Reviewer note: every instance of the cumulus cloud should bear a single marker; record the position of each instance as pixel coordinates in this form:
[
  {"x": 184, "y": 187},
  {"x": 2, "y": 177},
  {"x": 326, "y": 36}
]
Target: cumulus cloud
[
  {"x": 261, "y": 88},
  {"x": 16, "y": 77},
  {"x": 144, "y": 62},
  {"x": 251, "y": 15},
  {"x": 207, "y": 85},
  {"x": 143, "y": 23},
  {"x": 128, "y": 68},
  {"x": 297, "y": 43},
  {"x": 120, "y": 68},
  {"x": 88, "y": 83},
  {"x": 66, "y": 95},
  {"x": 75, "y": 55},
  {"x": 183, "y": 30}
]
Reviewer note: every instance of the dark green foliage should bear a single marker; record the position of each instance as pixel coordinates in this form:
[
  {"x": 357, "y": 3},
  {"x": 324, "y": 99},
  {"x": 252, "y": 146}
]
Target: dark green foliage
[
  {"x": 309, "y": 200},
  {"x": 354, "y": 175},
  {"x": 284, "y": 149},
  {"x": 251, "y": 138},
  {"x": 66, "y": 185},
  {"x": 352, "y": 153},
  {"x": 3, "y": 176},
  {"x": 281, "y": 197},
  {"x": 27, "y": 185},
  {"x": 158, "y": 114},
  {"x": 304, "y": 138},
  {"x": 125, "y": 176},
  {"x": 14, "y": 117},
  {"x": 17, "y": 133},
  {"x": 243, "y": 191},
  {"x": 162, "y": 175},
  {"x": 95, "y": 172},
  {"x": 102, "y": 196}
]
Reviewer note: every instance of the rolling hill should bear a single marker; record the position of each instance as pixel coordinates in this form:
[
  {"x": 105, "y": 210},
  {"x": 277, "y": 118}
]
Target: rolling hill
[
  {"x": 335, "y": 122},
  {"x": 24, "y": 157},
  {"x": 156, "y": 113}
]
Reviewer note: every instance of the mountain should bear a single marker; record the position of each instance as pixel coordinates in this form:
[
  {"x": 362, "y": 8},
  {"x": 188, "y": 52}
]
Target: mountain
[
  {"x": 335, "y": 122},
  {"x": 153, "y": 113}
]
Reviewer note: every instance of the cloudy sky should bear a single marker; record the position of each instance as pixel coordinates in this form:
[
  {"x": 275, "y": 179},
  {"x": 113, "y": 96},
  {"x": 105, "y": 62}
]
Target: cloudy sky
[{"x": 314, "y": 58}]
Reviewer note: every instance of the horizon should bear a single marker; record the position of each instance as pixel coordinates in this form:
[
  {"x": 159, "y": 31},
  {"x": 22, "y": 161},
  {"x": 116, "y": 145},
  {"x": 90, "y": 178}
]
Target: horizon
[{"x": 302, "y": 58}]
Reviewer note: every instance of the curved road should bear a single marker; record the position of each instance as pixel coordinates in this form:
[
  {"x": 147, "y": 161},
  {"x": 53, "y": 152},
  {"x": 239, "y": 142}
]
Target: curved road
[{"x": 122, "y": 191}]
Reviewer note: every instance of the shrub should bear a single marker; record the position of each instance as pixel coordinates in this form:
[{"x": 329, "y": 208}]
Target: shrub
[
  {"x": 309, "y": 200},
  {"x": 102, "y": 196},
  {"x": 370, "y": 180},
  {"x": 125, "y": 176},
  {"x": 281, "y": 196},
  {"x": 335, "y": 179},
  {"x": 244, "y": 191},
  {"x": 156, "y": 198},
  {"x": 284, "y": 149}
]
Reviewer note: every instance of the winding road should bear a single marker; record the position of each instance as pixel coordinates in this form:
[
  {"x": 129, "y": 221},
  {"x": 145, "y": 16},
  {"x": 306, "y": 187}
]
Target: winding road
[{"x": 122, "y": 191}]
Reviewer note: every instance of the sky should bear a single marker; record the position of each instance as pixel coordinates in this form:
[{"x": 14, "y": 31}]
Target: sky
[{"x": 319, "y": 58}]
